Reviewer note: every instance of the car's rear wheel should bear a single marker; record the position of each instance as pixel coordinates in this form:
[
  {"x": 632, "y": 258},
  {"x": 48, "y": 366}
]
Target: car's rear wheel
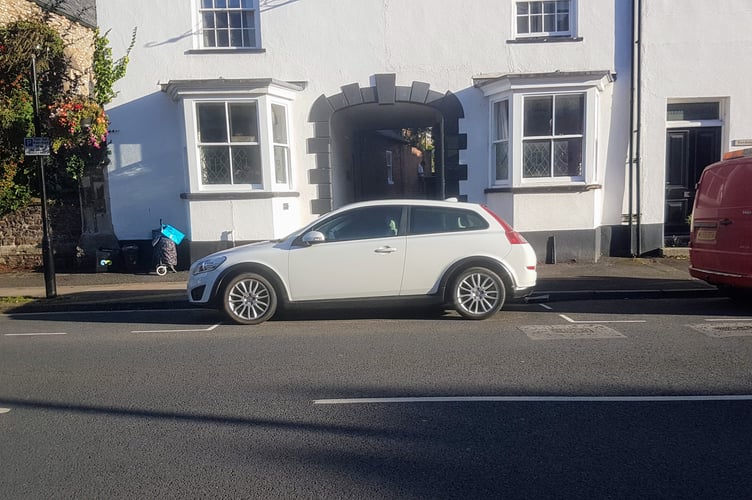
[
  {"x": 249, "y": 299},
  {"x": 478, "y": 293}
]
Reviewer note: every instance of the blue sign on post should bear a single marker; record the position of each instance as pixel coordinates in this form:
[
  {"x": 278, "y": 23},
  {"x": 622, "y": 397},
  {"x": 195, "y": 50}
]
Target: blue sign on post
[{"x": 37, "y": 146}]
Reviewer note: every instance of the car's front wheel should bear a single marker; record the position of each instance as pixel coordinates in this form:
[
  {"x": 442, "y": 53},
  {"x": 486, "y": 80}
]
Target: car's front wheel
[
  {"x": 249, "y": 299},
  {"x": 478, "y": 293}
]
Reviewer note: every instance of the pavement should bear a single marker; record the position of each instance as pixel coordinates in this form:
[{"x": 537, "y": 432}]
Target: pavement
[{"x": 609, "y": 278}]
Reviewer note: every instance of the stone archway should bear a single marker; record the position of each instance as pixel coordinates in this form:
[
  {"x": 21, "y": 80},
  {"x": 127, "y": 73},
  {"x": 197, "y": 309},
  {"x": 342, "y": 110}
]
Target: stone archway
[{"x": 385, "y": 92}]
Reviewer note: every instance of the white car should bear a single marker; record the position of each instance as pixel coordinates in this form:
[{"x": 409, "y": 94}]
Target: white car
[{"x": 460, "y": 255}]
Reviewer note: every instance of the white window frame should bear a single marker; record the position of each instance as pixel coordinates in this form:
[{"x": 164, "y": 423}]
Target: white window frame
[
  {"x": 389, "y": 167},
  {"x": 284, "y": 146},
  {"x": 514, "y": 88},
  {"x": 570, "y": 33},
  {"x": 552, "y": 177},
  {"x": 258, "y": 142},
  {"x": 494, "y": 140},
  {"x": 232, "y": 6}
]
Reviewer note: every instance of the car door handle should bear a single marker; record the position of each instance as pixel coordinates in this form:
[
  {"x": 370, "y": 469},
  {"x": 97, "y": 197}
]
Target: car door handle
[
  {"x": 385, "y": 250},
  {"x": 725, "y": 222}
]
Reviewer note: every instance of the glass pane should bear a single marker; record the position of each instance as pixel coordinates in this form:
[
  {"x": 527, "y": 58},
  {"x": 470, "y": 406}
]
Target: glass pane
[
  {"x": 281, "y": 163},
  {"x": 236, "y": 38},
  {"x": 220, "y": 4},
  {"x": 279, "y": 124},
  {"x": 209, "y": 39},
  {"x": 246, "y": 165},
  {"x": 562, "y": 6},
  {"x": 243, "y": 122},
  {"x": 223, "y": 39},
  {"x": 693, "y": 111},
  {"x": 248, "y": 20},
  {"x": 522, "y": 8},
  {"x": 549, "y": 23},
  {"x": 234, "y": 4},
  {"x": 568, "y": 157},
  {"x": 235, "y": 20},
  {"x": 249, "y": 38},
  {"x": 215, "y": 164},
  {"x": 206, "y": 4},
  {"x": 212, "y": 125},
  {"x": 549, "y": 7},
  {"x": 536, "y": 158},
  {"x": 501, "y": 153},
  {"x": 501, "y": 120},
  {"x": 569, "y": 114},
  {"x": 522, "y": 26},
  {"x": 208, "y": 20},
  {"x": 536, "y": 7},
  {"x": 562, "y": 21},
  {"x": 536, "y": 24},
  {"x": 538, "y": 116},
  {"x": 221, "y": 19}
]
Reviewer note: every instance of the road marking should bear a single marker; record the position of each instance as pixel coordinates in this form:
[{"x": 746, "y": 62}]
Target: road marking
[
  {"x": 724, "y": 330},
  {"x": 178, "y": 331},
  {"x": 612, "y": 321},
  {"x": 32, "y": 334},
  {"x": 728, "y": 319},
  {"x": 4, "y": 410},
  {"x": 569, "y": 332},
  {"x": 534, "y": 399},
  {"x": 546, "y": 306}
]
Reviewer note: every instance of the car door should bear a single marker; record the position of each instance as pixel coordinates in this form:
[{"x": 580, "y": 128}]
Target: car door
[{"x": 362, "y": 255}]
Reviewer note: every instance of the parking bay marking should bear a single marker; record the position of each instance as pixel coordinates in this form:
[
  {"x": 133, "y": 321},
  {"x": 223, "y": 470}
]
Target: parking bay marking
[
  {"x": 599, "y": 322},
  {"x": 209, "y": 329},
  {"x": 33, "y": 334},
  {"x": 534, "y": 399}
]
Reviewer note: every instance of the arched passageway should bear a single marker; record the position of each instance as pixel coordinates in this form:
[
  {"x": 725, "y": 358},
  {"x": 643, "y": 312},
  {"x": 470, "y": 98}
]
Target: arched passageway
[{"x": 361, "y": 154}]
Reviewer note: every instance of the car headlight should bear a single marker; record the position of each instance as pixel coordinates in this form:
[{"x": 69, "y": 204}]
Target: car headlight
[{"x": 208, "y": 265}]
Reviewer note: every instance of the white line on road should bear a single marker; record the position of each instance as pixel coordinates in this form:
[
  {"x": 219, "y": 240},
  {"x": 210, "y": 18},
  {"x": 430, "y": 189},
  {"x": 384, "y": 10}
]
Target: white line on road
[
  {"x": 534, "y": 399},
  {"x": 178, "y": 331},
  {"x": 728, "y": 319},
  {"x": 613, "y": 321},
  {"x": 113, "y": 311},
  {"x": 4, "y": 410},
  {"x": 546, "y": 306},
  {"x": 33, "y": 334}
]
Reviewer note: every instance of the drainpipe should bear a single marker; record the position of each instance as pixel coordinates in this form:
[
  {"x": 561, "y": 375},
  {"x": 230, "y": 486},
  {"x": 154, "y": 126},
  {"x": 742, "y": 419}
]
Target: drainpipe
[{"x": 635, "y": 208}]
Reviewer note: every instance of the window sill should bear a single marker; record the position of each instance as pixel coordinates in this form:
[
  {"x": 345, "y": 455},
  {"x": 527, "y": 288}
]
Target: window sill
[
  {"x": 228, "y": 50},
  {"x": 225, "y": 196},
  {"x": 546, "y": 39},
  {"x": 564, "y": 188}
]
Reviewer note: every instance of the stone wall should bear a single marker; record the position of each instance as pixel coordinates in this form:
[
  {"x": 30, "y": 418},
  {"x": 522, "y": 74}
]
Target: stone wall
[
  {"x": 21, "y": 237},
  {"x": 78, "y": 38}
]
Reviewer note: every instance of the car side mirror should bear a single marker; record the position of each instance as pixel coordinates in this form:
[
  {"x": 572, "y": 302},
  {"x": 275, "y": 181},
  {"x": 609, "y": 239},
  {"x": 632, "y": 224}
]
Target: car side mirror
[{"x": 313, "y": 237}]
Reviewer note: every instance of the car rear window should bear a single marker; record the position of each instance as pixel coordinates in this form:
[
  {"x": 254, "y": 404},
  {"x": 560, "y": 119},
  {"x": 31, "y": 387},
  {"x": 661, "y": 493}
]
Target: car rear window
[{"x": 427, "y": 220}]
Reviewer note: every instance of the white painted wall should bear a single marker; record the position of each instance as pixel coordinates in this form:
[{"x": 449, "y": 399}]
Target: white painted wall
[
  {"x": 692, "y": 49},
  {"x": 328, "y": 44}
]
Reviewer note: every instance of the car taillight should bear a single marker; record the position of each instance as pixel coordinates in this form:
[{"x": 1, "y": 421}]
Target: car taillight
[{"x": 513, "y": 236}]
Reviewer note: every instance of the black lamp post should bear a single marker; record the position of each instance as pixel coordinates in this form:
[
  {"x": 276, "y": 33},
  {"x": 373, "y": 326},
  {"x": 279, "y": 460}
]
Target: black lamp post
[{"x": 48, "y": 259}]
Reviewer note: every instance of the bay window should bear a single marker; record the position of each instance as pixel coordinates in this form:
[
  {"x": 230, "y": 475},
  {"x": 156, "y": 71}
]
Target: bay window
[
  {"x": 552, "y": 136},
  {"x": 228, "y": 143},
  {"x": 500, "y": 141}
]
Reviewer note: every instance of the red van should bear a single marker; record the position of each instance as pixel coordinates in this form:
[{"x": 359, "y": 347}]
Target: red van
[{"x": 721, "y": 232}]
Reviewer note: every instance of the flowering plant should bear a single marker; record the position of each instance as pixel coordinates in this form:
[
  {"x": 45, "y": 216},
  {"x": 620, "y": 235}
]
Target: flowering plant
[{"x": 77, "y": 123}]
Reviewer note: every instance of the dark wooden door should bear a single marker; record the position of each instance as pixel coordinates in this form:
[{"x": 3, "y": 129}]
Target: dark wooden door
[{"x": 688, "y": 152}]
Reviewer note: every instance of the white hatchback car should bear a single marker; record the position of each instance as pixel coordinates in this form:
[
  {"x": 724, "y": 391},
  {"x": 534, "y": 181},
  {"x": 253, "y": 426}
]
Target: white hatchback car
[{"x": 460, "y": 255}]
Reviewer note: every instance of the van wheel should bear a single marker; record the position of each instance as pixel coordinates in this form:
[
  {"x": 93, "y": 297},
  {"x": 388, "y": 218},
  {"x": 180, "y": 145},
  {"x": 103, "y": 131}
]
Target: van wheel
[
  {"x": 478, "y": 293},
  {"x": 249, "y": 299}
]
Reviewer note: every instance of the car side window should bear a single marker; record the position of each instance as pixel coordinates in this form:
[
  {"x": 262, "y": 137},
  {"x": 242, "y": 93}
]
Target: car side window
[
  {"x": 362, "y": 223},
  {"x": 427, "y": 220}
]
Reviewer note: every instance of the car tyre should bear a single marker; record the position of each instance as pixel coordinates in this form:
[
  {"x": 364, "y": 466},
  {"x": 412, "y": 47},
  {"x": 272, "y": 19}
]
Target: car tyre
[
  {"x": 249, "y": 299},
  {"x": 478, "y": 293}
]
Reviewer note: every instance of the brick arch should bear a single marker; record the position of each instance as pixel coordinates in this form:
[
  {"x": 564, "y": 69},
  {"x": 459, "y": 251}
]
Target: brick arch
[{"x": 384, "y": 92}]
